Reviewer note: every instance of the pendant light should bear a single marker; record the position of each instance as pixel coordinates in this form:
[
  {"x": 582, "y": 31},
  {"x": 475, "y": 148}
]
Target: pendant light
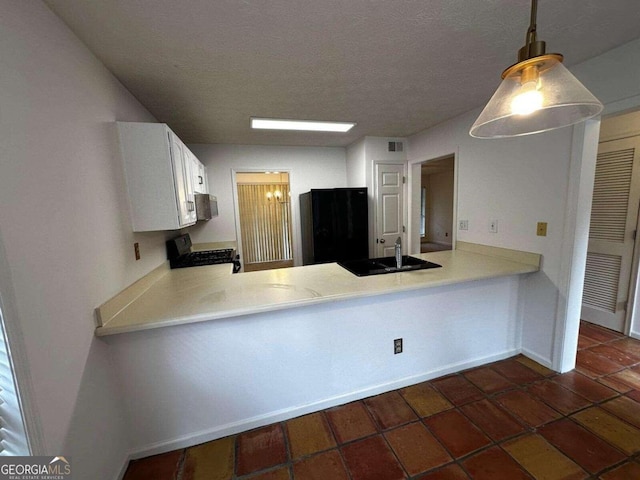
[{"x": 536, "y": 94}]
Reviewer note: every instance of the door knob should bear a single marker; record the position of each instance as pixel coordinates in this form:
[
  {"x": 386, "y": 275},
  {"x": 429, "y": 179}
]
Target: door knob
[{"x": 382, "y": 240}]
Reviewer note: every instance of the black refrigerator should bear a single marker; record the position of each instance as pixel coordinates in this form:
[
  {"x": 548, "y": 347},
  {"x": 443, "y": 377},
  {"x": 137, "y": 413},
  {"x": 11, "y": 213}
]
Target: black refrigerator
[{"x": 335, "y": 225}]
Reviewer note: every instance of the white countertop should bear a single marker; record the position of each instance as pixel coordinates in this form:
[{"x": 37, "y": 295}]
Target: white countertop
[{"x": 199, "y": 294}]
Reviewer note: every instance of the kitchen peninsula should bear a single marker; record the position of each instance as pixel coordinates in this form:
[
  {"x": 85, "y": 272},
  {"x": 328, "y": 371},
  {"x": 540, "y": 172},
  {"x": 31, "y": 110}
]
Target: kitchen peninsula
[
  {"x": 174, "y": 297},
  {"x": 203, "y": 353}
]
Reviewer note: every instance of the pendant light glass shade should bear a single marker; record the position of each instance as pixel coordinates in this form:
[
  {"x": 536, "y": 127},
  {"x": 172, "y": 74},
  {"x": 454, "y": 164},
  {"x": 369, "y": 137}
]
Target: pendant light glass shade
[{"x": 536, "y": 94}]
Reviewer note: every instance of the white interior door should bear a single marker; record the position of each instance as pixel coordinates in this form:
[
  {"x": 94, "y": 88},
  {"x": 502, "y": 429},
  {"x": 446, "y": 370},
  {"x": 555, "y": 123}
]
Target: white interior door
[
  {"x": 614, "y": 220},
  {"x": 389, "y": 207}
]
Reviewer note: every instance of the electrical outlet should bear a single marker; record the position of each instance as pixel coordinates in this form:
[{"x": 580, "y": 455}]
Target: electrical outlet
[
  {"x": 541, "y": 230},
  {"x": 493, "y": 226},
  {"x": 397, "y": 346},
  {"x": 136, "y": 249},
  {"x": 463, "y": 225}
]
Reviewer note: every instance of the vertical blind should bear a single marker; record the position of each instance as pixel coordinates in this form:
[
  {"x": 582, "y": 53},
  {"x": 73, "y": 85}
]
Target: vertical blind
[
  {"x": 13, "y": 438},
  {"x": 265, "y": 222}
]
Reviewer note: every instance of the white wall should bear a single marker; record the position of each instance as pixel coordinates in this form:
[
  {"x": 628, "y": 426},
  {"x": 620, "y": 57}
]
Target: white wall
[
  {"x": 356, "y": 164},
  {"x": 309, "y": 167},
  {"x": 517, "y": 182},
  {"x": 65, "y": 232},
  {"x": 192, "y": 383},
  {"x": 525, "y": 180}
]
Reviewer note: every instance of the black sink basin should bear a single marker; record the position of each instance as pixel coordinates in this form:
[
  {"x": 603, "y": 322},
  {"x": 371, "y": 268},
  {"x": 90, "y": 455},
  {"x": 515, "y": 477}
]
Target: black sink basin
[{"x": 378, "y": 266}]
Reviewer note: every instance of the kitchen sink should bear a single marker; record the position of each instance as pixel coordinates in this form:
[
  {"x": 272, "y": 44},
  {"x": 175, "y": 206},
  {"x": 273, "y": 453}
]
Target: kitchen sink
[{"x": 379, "y": 266}]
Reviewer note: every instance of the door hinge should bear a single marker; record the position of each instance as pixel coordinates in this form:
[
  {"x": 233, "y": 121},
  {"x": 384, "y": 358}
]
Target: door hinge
[
  {"x": 404, "y": 179},
  {"x": 634, "y": 234},
  {"x": 403, "y": 229}
]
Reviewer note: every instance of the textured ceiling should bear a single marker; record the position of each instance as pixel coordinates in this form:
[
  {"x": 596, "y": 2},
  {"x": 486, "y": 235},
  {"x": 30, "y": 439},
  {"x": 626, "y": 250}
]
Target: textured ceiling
[{"x": 393, "y": 66}]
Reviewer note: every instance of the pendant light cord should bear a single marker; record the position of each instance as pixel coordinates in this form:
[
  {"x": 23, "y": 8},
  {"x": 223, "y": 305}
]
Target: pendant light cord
[{"x": 531, "y": 31}]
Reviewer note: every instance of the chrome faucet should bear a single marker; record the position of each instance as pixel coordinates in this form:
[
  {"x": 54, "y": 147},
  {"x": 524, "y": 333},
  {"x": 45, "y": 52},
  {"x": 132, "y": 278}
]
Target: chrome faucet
[{"x": 398, "y": 252}]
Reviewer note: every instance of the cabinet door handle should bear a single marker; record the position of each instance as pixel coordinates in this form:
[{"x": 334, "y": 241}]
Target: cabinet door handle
[
  {"x": 190, "y": 206},
  {"x": 200, "y": 180}
]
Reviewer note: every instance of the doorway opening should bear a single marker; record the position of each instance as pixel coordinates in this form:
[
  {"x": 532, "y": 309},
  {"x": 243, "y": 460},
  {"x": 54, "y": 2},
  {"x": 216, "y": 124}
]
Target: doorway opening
[
  {"x": 611, "y": 274},
  {"x": 436, "y": 204},
  {"x": 264, "y": 228}
]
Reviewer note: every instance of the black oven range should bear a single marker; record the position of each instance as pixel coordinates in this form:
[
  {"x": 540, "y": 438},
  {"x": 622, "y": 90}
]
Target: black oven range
[{"x": 180, "y": 255}]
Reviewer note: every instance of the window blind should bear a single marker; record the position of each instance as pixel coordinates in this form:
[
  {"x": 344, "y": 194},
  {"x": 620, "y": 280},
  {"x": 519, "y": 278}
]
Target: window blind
[
  {"x": 13, "y": 438},
  {"x": 265, "y": 222}
]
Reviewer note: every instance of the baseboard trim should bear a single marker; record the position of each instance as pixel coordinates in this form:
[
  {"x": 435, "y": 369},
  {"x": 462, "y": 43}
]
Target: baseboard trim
[
  {"x": 233, "y": 428},
  {"x": 537, "y": 358},
  {"x": 123, "y": 469}
]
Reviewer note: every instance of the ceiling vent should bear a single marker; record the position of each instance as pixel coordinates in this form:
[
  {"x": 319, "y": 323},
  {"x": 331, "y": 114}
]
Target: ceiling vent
[{"x": 396, "y": 147}]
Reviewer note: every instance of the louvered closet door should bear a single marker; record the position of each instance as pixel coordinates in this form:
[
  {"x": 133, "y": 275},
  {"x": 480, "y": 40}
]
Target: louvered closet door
[{"x": 614, "y": 218}]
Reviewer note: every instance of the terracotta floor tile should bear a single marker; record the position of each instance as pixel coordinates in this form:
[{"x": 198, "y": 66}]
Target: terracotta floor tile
[
  {"x": 425, "y": 400},
  {"x": 278, "y": 474},
  {"x": 627, "y": 345},
  {"x": 634, "y": 395},
  {"x": 493, "y": 420},
  {"x": 597, "y": 333},
  {"x": 450, "y": 472},
  {"x": 417, "y": 431},
  {"x": 456, "y": 433},
  {"x": 261, "y": 448},
  {"x": 613, "y": 382},
  {"x": 488, "y": 380},
  {"x": 309, "y": 434},
  {"x": 616, "y": 355},
  {"x": 530, "y": 410},
  {"x": 628, "y": 377},
  {"x": 458, "y": 389},
  {"x": 594, "y": 365},
  {"x": 624, "y": 408},
  {"x": 158, "y": 467},
  {"x": 543, "y": 460},
  {"x": 323, "y": 466},
  {"x": 558, "y": 397},
  {"x": 390, "y": 410},
  {"x": 494, "y": 464},
  {"x": 371, "y": 459},
  {"x": 588, "y": 450},
  {"x": 350, "y": 422},
  {"x": 585, "y": 342},
  {"x": 210, "y": 461},
  {"x": 516, "y": 372},
  {"x": 627, "y": 471},
  {"x": 589, "y": 389},
  {"x": 615, "y": 431},
  {"x": 417, "y": 450},
  {"x": 533, "y": 365}
]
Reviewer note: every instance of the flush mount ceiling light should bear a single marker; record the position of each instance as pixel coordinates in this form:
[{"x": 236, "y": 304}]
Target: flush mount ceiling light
[
  {"x": 306, "y": 125},
  {"x": 536, "y": 94}
]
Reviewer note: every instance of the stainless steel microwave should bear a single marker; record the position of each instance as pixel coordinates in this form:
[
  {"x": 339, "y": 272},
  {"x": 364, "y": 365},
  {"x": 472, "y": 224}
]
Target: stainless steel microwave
[{"x": 206, "y": 206}]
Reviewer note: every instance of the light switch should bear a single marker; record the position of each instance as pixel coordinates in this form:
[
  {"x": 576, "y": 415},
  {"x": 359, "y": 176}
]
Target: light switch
[{"x": 542, "y": 229}]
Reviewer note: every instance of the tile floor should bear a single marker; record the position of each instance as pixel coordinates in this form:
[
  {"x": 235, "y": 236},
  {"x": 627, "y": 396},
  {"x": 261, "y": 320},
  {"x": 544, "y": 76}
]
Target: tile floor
[{"x": 508, "y": 420}]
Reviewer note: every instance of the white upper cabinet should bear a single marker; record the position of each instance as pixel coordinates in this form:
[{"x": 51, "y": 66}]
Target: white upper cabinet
[
  {"x": 199, "y": 175},
  {"x": 159, "y": 174},
  {"x": 200, "y": 179}
]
